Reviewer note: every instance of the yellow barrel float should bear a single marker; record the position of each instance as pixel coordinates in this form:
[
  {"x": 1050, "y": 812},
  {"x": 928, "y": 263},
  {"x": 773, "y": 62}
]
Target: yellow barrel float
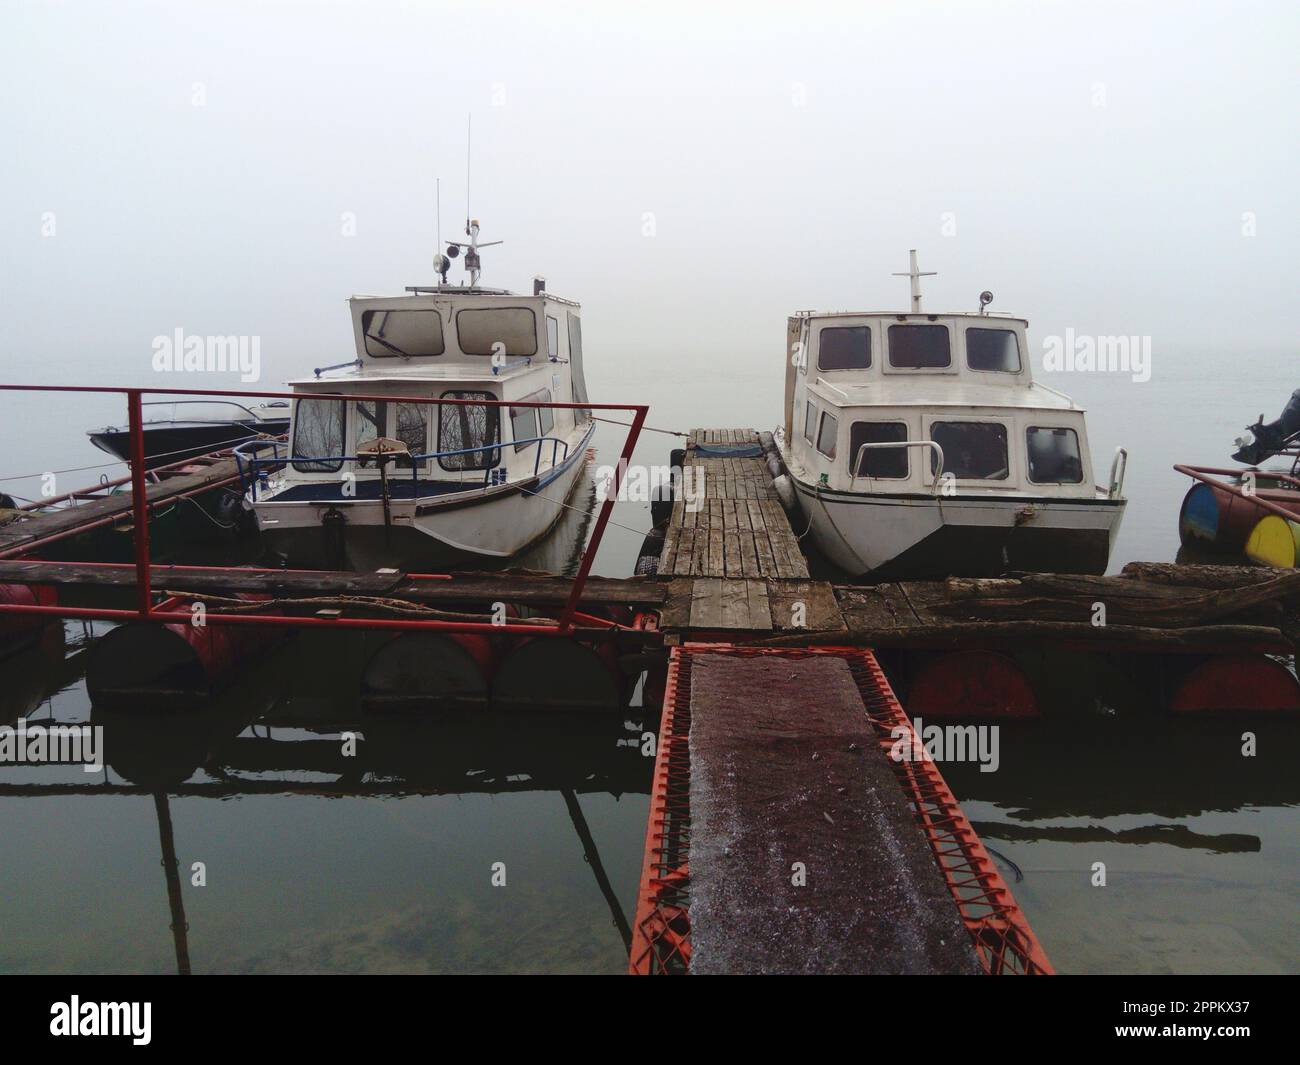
[{"x": 1274, "y": 541}]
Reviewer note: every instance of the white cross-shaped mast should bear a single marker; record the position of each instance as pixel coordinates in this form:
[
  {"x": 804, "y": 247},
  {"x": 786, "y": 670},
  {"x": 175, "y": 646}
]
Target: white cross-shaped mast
[{"x": 916, "y": 276}]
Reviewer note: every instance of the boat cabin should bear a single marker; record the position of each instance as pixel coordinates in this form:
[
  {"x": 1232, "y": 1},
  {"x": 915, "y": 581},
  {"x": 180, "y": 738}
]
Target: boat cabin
[
  {"x": 456, "y": 343},
  {"x": 893, "y": 402}
]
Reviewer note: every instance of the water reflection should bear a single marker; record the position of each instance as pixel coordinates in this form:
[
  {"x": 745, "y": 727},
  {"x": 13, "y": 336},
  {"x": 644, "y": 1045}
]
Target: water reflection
[{"x": 282, "y": 732}]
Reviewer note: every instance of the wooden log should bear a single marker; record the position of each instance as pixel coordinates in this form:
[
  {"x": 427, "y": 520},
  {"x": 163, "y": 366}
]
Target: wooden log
[
  {"x": 1198, "y": 575},
  {"x": 1158, "y": 609},
  {"x": 1121, "y": 637}
]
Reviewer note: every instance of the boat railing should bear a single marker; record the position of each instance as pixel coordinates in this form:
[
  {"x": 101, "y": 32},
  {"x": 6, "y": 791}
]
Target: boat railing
[
  {"x": 1244, "y": 490},
  {"x": 1118, "y": 468},
  {"x": 251, "y": 466},
  {"x": 856, "y": 470}
]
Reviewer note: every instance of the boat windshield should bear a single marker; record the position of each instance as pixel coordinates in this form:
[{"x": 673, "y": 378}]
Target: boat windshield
[
  {"x": 403, "y": 334},
  {"x": 195, "y": 410}
]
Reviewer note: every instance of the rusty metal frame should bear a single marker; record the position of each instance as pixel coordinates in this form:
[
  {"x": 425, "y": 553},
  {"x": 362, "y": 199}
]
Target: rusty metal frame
[
  {"x": 1208, "y": 474},
  {"x": 1000, "y": 934},
  {"x": 146, "y": 610}
]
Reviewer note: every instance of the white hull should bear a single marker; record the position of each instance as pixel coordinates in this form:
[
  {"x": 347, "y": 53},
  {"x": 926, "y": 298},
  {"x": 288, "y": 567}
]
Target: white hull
[
  {"x": 919, "y": 536},
  {"x": 497, "y": 523}
]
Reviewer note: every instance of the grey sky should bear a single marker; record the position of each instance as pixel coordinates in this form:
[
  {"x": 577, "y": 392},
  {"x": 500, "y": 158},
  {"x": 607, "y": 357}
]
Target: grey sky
[{"x": 1097, "y": 158}]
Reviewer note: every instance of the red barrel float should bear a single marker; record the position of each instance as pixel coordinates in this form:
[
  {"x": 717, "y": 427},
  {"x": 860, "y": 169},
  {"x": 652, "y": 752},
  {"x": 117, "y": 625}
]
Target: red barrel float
[
  {"x": 966, "y": 685},
  {"x": 25, "y": 595},
  {"x": 1238, "y": 683}
]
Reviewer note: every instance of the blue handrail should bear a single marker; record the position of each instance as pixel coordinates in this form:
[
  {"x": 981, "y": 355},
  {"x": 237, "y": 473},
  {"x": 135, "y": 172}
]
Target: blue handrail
[{"x": 249, "y": 479}]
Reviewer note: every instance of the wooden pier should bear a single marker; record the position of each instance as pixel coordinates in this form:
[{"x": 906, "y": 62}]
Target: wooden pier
[{"x": 734, "y": 527}]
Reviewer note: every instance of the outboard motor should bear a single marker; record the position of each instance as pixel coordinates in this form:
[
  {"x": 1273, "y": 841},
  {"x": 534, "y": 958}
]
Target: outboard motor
[{"x": 1262, "y": 442}]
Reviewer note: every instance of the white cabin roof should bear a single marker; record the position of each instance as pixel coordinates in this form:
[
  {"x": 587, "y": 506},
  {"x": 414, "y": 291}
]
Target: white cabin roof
[
  {"x": 914, "y": 317},
  {"x": 936, "y": 391}
]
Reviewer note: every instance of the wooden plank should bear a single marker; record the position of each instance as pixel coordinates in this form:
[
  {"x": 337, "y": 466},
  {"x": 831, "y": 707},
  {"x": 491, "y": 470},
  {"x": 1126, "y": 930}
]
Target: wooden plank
[
  {"x": 735, "y": 605},
  {"x": 816, "y": 602},
  {"x": 748, "y": 553},
  {"x": 668, "y": 556},
  {"x": 760, "y": 606},
  {"x": 706, "y": 604},
  {"x": 685, "y": 551},
  {"x": 675, "y": 613},
  {"x": 715, "y": 561}
]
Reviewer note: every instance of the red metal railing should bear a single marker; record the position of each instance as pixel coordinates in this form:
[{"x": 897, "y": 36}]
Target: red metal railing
[
  {"x": 1208, "y": 475},
  {"x": 661, "y": 935},
  {"x": 147, "y": 610}
]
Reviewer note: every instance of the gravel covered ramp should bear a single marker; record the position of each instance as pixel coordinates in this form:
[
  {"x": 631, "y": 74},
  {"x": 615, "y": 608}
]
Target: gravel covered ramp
[{"x": 805, "y": 854}]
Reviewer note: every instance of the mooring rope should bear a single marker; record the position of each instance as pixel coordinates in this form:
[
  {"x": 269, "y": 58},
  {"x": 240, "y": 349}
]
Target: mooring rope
[{"x": 644, "y": 428}]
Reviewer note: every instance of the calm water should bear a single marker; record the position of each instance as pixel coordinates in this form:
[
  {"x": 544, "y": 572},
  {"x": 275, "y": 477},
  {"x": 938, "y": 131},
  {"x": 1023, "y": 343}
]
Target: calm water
[{"x": 385, "y": 864}]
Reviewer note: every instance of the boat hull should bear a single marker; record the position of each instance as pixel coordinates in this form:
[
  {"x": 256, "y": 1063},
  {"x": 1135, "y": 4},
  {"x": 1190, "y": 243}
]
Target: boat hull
[
  {"x": 906, "y": 536},
  {"x": 164, "y": 445},
  {"x": 493, "y": 524}
]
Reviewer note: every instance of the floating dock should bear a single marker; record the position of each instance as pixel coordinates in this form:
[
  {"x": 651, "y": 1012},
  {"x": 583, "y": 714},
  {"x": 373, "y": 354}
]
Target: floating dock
[{"x": 784, "y": 834}]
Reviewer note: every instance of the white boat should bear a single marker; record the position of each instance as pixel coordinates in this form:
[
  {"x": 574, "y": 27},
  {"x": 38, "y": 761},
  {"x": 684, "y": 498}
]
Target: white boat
[
  {"x": 373, "y": 483},
  {"x": 919, "y": 445}
]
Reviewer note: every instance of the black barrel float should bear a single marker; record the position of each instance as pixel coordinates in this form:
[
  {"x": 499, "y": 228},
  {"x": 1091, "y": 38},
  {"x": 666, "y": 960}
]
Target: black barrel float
[
  {"x": 161, "y": 663},
  {"x": 557, "y": 672},
  {"x": 430, "y": 669}
]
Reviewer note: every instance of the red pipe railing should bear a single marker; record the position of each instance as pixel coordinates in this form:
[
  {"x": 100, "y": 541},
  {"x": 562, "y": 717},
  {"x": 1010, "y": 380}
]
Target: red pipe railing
[
  {"x": 146, "y": 610},
  {"x": 1207, "y": 474}
]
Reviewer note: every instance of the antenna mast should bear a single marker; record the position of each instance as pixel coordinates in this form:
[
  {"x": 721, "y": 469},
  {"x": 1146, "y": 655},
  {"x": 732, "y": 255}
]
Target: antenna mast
[
  {"x": 472, "y": 261},
  {"x": 916, "y": 276}
]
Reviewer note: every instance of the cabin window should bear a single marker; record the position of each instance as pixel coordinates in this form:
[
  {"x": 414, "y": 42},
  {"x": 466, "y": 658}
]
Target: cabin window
[
  {"x": 370, "y": 420},
  {"x": 972, "y": 451},
  {"x": 578, "y": 383},
  {"x": 411, "y": 427},
  {"x": 552, "y": 337},
  {"x": 400, "y": 334},
  {"x": 370, "y": 423},
  {"x": 1053, "y": 456},
  {"x": 888, "y": 462},
  {"x": 523, "y": 426},
  {"x": 318, "y": 434},
  {"x": 826, "y": 435},
  {"x": 919, "y": 347},
  {"x": 844, "y": 348},
  {"x": 532, "y": 418},
  {"x": 992, "y": 349},
  {"x": 514, "y": 329},
  {"x": 464, "y": 426},
  {"x": 809, "y": 421}
]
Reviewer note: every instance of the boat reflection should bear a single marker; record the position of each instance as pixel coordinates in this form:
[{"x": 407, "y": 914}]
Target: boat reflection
[{"x": 1105, "y": 766}]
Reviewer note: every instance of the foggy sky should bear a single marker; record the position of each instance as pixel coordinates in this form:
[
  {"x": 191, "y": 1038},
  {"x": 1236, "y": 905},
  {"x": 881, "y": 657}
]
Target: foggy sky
[{"x": 1097, "y": 160}]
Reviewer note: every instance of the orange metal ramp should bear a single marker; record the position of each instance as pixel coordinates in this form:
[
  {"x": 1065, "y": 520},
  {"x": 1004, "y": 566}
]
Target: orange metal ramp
[{"x": 786, "y": 739}]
